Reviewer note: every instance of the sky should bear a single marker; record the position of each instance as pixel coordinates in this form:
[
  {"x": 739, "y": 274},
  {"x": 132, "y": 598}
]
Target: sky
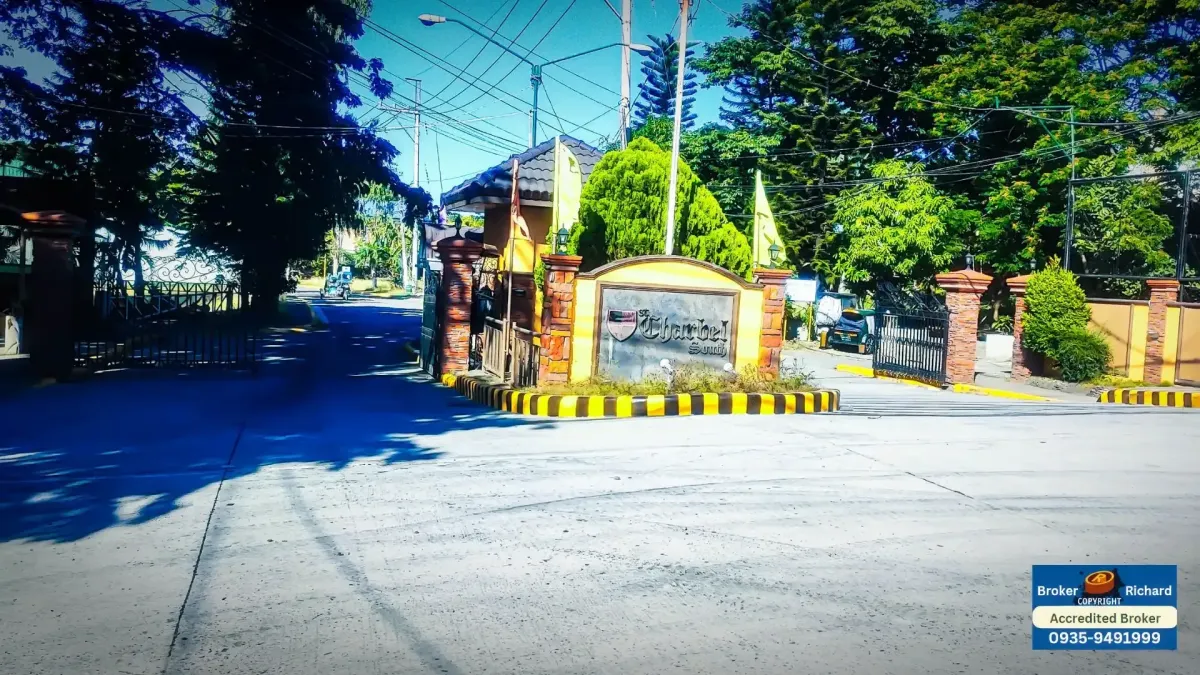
[
  {"x": 456, "y": 67},
  {"x": 566, "y": 91}
]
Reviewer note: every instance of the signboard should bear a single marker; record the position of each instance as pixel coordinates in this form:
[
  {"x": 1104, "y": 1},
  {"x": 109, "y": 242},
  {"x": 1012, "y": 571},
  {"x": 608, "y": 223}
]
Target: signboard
[
  {"x": 1105, "y": 607},
  {"x": 638, "y": 328},
  {"x": 801, "y": 290}
]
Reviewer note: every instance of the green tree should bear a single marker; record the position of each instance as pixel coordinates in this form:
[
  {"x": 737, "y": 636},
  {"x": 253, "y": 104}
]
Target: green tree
[
  {"x": 1110, "y": 59},
  {"x": 266, "y": 199},
  {"x": 797, "y": 77},
  {"x": 656, "y": 95},
  {"x": 899, "y": 230},
  {"x": 106, "y": 120},
  {"x": 1121, "y": 227},
  {"x": 623, "y": 213}
]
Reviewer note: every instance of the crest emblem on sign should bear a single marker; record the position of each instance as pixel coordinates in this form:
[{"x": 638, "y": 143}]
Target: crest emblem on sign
[{"x": 621, "y": 323}]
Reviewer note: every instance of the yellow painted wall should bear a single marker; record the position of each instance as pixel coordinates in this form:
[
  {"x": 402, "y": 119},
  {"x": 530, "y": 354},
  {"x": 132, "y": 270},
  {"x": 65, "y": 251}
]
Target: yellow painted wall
[
  {"x": 495, "y": 232},
  {"x": 676, "y": 274},
  {"x": 1170, "y": 346},
  {"x": 1113, "y": 320},
  {"x": 1137, "y": 342}
]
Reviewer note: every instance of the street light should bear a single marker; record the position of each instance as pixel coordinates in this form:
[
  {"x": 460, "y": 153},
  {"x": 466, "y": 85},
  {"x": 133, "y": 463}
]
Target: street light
[
  {"x": 535, "y": 69},
  {"x": 773, "y": 250},
  {"x": 560, "y": 240}
]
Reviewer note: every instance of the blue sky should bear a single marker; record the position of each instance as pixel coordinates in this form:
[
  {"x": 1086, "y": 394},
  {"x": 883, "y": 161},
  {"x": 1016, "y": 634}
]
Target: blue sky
[
  {"x": 447, "y": 157},
  {"x": 587, "y": 24}
]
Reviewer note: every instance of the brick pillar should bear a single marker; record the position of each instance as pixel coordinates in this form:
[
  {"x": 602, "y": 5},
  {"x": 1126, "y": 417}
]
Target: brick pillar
[
  {"x": 49, "y": 321},
  {"x": 770, "y": 341},
  {"x": 1023, "y": 361},
  {"x": 558, "y": 318},
  {"x": 963, "y": 290},
  {"x": 1162, "y": 291},
  {"x": 458, "y": 257}
]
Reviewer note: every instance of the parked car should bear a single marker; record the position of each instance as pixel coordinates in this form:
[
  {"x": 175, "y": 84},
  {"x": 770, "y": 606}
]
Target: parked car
[{"x": 855, "y": 329}]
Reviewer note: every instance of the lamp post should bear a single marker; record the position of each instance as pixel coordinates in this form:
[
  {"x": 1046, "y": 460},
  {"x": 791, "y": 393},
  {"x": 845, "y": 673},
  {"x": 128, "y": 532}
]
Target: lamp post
[
  {"x": 535, "y": 69},
  {"x": 560, "y": 240}
]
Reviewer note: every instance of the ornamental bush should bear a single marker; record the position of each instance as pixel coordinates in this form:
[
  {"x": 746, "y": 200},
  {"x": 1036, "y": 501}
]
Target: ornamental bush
[
  {"x": 622, "y": 213},
  {"x": 1055, "y": 308},
  {"x": 1082, "y": 355}
]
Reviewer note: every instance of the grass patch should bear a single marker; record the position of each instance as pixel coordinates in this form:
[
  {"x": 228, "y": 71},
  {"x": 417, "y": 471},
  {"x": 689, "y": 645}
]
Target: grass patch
[
  {"x": 688, "y": 379},
  {"x": 1117, "y": 381}
]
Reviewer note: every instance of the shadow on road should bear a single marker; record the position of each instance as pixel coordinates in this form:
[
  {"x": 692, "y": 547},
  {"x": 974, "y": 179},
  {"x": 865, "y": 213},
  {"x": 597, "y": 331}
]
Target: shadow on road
[{"x": 126, "y": 448}]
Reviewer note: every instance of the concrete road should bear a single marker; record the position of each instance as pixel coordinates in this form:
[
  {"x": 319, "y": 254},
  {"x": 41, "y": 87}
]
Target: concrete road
[{"x": 335, "y": 515}]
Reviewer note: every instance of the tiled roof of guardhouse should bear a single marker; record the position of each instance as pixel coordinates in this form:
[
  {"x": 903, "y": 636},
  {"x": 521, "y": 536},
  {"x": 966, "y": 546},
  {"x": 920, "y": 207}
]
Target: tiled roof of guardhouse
[{"x": 535, "y": 176}]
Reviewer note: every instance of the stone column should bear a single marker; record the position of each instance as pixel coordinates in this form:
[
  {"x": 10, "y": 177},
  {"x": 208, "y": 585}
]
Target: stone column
[
  {"x": 458, "y": 256},
  {"x": 558, "y": 318},
  {"x": 1162, "y": 291},
  {"x": 770, "y": 341},
  {"x": 49, "y": 330},
  {"x": 963, "y": 290},
  {"x": 1023, "y": 361}
]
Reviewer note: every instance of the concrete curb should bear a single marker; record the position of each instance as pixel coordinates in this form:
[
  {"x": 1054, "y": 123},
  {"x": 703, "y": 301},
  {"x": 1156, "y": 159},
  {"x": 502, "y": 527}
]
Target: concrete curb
[
  {"x": 868, "y": 372},
  {"x": 503, "y": 397},
  {"x": 956, "y": 388},
  {"x": 1000, "y": 393},
  {"x": 1168, "y": 399}
]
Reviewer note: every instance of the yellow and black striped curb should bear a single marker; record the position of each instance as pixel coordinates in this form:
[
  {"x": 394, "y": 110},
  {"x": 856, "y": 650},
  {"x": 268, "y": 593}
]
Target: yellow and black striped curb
[
  {"x": 1171, "y": 399},
  {"x": 503, "y": 397}
]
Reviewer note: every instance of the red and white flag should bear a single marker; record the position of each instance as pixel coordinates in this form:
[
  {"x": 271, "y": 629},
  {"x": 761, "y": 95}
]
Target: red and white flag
[{"x": 520, "y": 229}]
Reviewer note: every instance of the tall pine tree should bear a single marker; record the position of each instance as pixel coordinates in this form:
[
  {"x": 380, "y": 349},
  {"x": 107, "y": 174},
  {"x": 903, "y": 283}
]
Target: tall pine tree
[{"x": 656, "y": 96}]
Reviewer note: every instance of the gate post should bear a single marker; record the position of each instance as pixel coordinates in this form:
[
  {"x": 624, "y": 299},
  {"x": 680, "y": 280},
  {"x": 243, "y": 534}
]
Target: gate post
[
  {"x": 1162, "y": 291},
  {"x": 770, "y": 340},
  {"x": 1022, "y": 360},
  {"x": 458, "y": 257},
  {"x": 963, "y": 290},
  {"x": 558, "y": 317},
  {"x": 51, "y": 297}
]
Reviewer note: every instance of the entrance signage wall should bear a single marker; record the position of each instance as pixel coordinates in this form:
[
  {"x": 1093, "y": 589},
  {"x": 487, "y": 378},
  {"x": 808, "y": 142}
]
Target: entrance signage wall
[{"x": 639, "y": 327}]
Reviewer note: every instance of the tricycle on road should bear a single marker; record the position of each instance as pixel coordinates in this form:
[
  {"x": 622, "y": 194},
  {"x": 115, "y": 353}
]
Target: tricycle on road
[{"x": 338, "y": 285}]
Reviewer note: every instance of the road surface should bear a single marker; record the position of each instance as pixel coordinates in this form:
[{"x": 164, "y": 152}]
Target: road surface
[{"x": 337, "y": 515}]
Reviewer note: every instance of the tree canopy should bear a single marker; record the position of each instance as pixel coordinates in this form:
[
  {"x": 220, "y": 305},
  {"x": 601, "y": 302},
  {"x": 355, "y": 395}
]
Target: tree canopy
[
  {"x": 230, "y": 122},
  {"x": 833, "y": 90},
  {"x": 623, "y": 213},
  {"x": 656, "y": 95}
]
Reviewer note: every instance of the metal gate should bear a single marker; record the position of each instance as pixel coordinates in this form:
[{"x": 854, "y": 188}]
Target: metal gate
[
  {"x": 911, "y": 335},
  {"x": 431, "y": 323},
  {"x": 165, "y": 324}
]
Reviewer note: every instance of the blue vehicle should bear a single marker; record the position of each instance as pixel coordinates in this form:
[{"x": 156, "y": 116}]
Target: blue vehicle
[{"x": 338, "y": 285}]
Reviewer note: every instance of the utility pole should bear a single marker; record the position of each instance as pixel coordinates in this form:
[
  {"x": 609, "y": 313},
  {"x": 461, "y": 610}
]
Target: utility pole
[
  {"x": 684, "y": 11},
  {"x": 626, "y": 35},
  {"x": 411, "y": 272}
]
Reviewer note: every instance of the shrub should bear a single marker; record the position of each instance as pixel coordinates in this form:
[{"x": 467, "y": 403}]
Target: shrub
[
  {"x": 622, "y": 213},
  {"x": 689, "y": 378},
  {"x": 1055, "y": 308},
  {"x": 1082, "y": 355}
]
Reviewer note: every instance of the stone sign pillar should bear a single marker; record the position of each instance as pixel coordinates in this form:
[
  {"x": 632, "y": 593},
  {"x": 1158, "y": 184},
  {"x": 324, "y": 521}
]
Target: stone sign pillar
[
  {"x": 1022, "y": 359},
  {"x": 48, "y": 322},
  {"x": 1162, "y": 291},
  {"x": 770, "y": 342},
  {"x": 963, "y": 290},
  {"x": 458, "y": 256},
  {"x": 558, "y": 316}
]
